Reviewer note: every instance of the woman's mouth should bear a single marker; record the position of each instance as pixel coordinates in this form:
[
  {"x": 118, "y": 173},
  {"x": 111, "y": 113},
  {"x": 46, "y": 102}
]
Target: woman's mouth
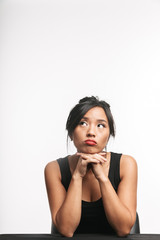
[{"x": 90, "y": 142}]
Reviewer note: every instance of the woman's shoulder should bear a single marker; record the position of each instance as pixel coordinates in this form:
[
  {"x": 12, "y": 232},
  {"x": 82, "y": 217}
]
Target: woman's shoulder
[
  {"x": 128, "y": 159},
  {"x": 128, "y": 164},
  {"x": 51, "y": 164},
  {"x": 51, "y": 168},
  {"x": 124, "y": 158}
]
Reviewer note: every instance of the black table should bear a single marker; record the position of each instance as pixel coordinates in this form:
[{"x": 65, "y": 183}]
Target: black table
[{"x": 78, "y": 237}]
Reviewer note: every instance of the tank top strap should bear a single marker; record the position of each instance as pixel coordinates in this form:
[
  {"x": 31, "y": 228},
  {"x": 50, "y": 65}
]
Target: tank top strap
[
  {"x": 114, "y": 171},
  {"x": 65, "y": 171}
]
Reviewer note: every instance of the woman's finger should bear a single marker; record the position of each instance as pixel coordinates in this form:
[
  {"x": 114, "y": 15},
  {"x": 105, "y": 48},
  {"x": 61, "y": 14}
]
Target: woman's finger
[
  {"x": 92, "y": 160},
  {"x": 101, "y": 158}
]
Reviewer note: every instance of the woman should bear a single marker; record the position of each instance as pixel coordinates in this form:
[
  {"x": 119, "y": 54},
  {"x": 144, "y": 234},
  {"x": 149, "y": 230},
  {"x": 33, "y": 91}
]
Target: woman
[{"x": 92, "y": 191}]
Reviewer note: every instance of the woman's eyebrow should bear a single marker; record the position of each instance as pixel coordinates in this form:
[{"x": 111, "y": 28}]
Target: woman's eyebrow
[
  {"x": 85, "y": 118},
  {"x": 101, "y": 120},
  {"x": 98, "y": 120}
]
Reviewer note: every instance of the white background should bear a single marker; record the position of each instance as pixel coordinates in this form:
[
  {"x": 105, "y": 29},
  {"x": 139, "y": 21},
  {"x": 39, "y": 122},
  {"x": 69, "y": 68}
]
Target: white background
[{"x": 52, "y": 53}]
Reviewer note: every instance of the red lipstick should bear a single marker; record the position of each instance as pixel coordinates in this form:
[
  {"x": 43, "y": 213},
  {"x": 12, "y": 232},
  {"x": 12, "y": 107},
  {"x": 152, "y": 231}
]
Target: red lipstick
[{"x": 90, "y": 142}]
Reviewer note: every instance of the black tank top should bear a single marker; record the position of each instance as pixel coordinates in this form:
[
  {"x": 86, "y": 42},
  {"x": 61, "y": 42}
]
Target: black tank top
[{"x": 93, "y": 218}]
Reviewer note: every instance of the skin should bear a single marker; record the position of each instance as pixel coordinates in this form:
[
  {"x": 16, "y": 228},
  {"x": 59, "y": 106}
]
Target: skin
[{"x": 89, "y": 168}]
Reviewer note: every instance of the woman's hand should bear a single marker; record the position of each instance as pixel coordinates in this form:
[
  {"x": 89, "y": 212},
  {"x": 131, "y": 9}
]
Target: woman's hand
[
  {"x": 98, "y": 163},
  {"x": 101, "y": 170},
  {"x": 83, "y": 162}
]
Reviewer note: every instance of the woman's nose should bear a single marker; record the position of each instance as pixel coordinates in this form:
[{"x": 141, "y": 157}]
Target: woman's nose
[{"x": 91, "y": 132}]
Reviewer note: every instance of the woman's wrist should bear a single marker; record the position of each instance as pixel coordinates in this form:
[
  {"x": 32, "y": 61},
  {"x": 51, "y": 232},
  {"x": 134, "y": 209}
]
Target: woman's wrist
[
  {"x": 76, "y": 176},
  {"x": 102, "y": 179}
]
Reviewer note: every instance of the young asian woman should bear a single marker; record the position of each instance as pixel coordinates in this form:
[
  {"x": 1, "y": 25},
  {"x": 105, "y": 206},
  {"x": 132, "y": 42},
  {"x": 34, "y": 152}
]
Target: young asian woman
[{"x": 92, "y": 191}]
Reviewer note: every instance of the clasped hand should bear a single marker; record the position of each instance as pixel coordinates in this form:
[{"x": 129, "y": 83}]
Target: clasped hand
[{"x": 98, "y": 162}]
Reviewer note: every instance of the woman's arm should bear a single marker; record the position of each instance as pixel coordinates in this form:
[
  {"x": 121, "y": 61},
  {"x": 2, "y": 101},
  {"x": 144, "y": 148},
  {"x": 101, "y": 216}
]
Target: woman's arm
[
  {"x": 65, "y": 206},
  {"x": 120, "y": 207}
]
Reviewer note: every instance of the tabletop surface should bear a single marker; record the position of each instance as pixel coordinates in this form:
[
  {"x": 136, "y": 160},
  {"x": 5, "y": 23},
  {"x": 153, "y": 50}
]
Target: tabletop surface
[{"x": 78, "y": 237}]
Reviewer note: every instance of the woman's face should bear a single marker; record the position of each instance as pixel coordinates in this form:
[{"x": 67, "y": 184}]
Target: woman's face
[{"x": 92, "y": 133}]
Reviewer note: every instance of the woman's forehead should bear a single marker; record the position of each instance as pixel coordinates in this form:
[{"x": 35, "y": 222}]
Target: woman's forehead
[{"x": 97, "y": 113}]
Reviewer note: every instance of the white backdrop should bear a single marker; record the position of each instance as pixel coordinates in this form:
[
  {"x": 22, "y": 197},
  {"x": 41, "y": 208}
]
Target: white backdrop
[{"x": 52, "y": 53}]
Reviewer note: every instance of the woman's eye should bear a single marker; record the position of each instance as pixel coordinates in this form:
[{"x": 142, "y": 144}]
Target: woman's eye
[
  {"x": 83, "y": 123},
  {"x": 101, "y": 125}
]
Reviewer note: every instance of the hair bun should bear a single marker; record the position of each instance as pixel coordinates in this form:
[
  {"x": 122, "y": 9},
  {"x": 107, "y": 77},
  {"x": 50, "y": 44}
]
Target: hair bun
[{"x": 86, "y": 99}]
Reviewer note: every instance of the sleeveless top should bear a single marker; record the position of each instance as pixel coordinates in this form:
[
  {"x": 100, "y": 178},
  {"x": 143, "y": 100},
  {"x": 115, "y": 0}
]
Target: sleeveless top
[{"x": 93, "y": 218}]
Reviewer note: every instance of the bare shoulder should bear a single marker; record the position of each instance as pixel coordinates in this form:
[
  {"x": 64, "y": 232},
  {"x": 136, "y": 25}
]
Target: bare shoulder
[
  {"x": 129, "y": 160},
  {"x": 128, "y": 165},
  {"x": 52, "y": 169},
  {"x": 51, "y": 165}
]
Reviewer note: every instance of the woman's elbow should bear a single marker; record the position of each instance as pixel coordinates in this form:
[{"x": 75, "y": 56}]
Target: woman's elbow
[
  {"x": 123, "y": 232},
  {"x": 66, "y": 233}
]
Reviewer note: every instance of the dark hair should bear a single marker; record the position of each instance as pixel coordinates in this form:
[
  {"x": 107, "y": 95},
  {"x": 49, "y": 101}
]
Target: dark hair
[{"x": 84, "y": 105}]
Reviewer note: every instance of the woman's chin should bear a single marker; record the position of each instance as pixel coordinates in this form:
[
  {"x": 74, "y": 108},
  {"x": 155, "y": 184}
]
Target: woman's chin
[{"x": 90, "y": 151}]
